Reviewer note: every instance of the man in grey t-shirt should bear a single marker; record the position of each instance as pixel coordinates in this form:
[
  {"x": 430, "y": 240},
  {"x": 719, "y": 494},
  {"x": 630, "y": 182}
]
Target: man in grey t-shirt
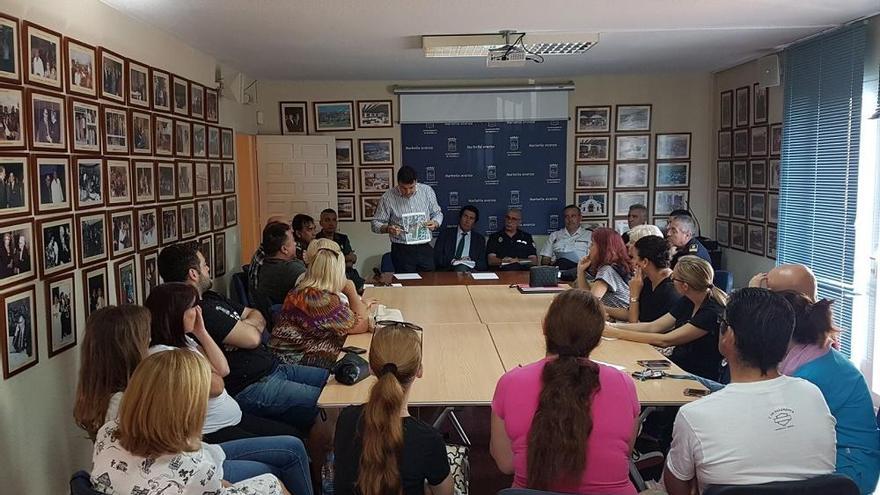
[{"x": 280, "y": 269}]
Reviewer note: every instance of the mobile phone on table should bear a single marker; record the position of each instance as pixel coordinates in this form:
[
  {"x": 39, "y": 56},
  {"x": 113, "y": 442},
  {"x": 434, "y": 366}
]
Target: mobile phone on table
[
  {"x": 695, "y": 392},
  {"x": 356, "y": 350},
  {"x": 648, "y": 374},
  {"x": 654, "y": 363}
]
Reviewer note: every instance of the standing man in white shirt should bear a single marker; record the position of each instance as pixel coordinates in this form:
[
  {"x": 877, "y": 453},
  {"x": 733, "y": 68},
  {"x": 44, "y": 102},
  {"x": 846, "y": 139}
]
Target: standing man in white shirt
[
  {"x": 763, "y": 426},
  {"x": 565, "y": 247},
  {"x": 406, "y": 198}
]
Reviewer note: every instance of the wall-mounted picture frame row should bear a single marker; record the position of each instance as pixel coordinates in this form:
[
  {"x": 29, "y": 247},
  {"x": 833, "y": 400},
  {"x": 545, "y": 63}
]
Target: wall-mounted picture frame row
[
  {"x": 753, "y": 206},
  {"x": 758, "y": 141},
  {"x": 737, "y": 106},
  {"x": 747, "y": 237},
  {"x": 371, "y": 152},
  {"x": 632, "y": 175},
  {"x": 597, "y": 119},
  {"x": 334, "y": 116},
  {"x": 749, "y": 174},
  {"x": 595, "y": 204},
  {"x": 633, "y": 147}
]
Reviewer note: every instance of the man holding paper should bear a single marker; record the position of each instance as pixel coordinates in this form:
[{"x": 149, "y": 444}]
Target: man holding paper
[
  {"x": 462, "y": 249},
  {"x": 408, "y": 213}
]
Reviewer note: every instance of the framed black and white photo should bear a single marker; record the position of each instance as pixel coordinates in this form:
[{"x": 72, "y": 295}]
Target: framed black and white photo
[
  {"x": 369, "y": 206},
  {"x": 592, "y": 148},
  {"x": 17, "y": 263},
  {"x": 231, "y": 211},
  {"x": 95, "y": 290},
  {"x": 166, "y": 173},
  {"x": 141, "y": 133},
  {"x": 182, "y": 138},
  {"x": 206, "y": 247},
  {"x": 163, "y": 135},
  {"x": 724, "y": 144},
  {"x": 773, "y": 208},
  {"x": 60, "y": 306},
  {"x": 294, "y": 118},
  {"x": 757, "y": 207},
  {"x": 775, "y": 139},
  {"x": 118, "y": 182},
  {"x": 111, "y": 66},
  {"x": 631, "y": 175},
  {"x": 660, "y": 223},
  {"x": 149, "y": 273},
  {"x": 15, "y": 179},
  {"x": 84, "y": 126},
  {"x": 623, "y": 200},
  {"x": 738, "y": 236},
  {"x": 161, "y": 90},
  {"x": 48, "y": 124},
  {"x": 726, "y": 111},
  {"x": 121, "y": 233},
  {"x": 594, "y": 223},
  {"x": 19, "y": 324},
  {"x": 90, "y": 190},
  {"x": 92, "y": 240},
  {"x": 633, "y": 118},
  {"x": 592, "y": 204},
  {"x": 665, "y": 202},
  {"x": 212, "y": 105},
  {"x": 771, "y": 242},
  {"x": 758, "y": 174},
  {"x": 758, "y": 138},
  {"x": 184, "y": 180},
  {"x": 228, "y": 177},
  {"x": 724, "y": 173},
  {"x": 138, "y": 84},
  {"x": 621, "y": 225},
  {"x": 773, "y": 173},
  {"x": 42, "y": 52},
  {"x": 376, "y": 180},
  {"x": 213, "y": 142},
  {"x": 740, "y": 174},
  {"x": 741, "y": 106},
  {"x": 227, "y": 143},
  {"x": 673, "y": 146},
  {"x": 12, "y": 115},
  {"x": 52, "y": 183},
  {"x": 739, "y": 205},
  {"x": 593, "y": 119},
  {"x": 144, "y": 182},
  {"x": 215, "y": 176},
  {"x": 80, "y": 59},
  {"x": 203, "y": 216},
  {"x": 333, "y": 116},
  {"x": 179, "y": 95},
  {"x": 199, "y": 140},
  {"x": 126, "y": 281},
  {"x": 114, "y": 125},
  {"x": 203, "y": 187},
  {"x": 591, "y": 176},
  {"x": 376, "y": 152},
  {"x": 56, "y": 237},
  {"x": 345, "y": 208},
  {"x": 761, "y": 103},
  {"x": 672, "y": 174},
  {"x": 722, "y": 232},
  {"x": 344, "y": 153},
  {"x": 219, "y": 255},
  {"x": 632, "y": 147},
  {"x": 756, "y": 239},
  {"x": 741, "y": 143},
  {"x": 10, "y": 61},
  {"x": 197, "y": 100},
  {"x": 374, "y": 113},
  {"x": 148, "y": 228},
  {"x": 345, "y": 180},
  {"x": 217, "y": 220},
  {"x": 168, "y": 228},
  {"x": 187, "y": 220},
  {"x": 723, "y": 204}
]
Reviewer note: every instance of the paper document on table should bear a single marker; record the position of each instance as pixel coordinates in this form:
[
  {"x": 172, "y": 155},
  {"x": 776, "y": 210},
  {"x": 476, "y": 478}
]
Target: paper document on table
[
  {"x": 520, "y": 262},
  {"x": 384, "y": 313},
  {"x": 407, "y": 276},
  {"x": 615, "y": 366},
  {"x": 468, "y": 263},
  {"x": 415, "y": 230},
  {"x": 484, "y": 276}
]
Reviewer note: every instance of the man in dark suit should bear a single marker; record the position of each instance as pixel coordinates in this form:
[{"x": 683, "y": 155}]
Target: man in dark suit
[{"x": 461, "y": 249}]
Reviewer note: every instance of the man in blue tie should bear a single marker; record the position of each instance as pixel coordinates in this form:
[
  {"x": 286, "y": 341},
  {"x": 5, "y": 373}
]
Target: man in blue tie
[{"x": 461, "y": 249}]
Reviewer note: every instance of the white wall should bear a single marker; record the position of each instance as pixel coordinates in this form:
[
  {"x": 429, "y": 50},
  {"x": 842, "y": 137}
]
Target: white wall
[{"x": 40, "y": 446}]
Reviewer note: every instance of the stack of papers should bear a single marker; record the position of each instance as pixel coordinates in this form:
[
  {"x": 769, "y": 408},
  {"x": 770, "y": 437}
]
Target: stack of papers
[
  {"x": 407, "y": 276},
  {"x": 468, "y": 263},
  {"x": 484, "y": 276}
]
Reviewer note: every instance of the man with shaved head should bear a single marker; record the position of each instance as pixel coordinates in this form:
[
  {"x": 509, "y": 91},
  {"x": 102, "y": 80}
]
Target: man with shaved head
[{"x": 794, "y": 277}]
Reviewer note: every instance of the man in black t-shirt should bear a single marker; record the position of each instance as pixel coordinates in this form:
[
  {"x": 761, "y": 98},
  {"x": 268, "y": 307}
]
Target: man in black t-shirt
[
  {"x": 261, "y": 385},
  {"x": 512, "y": 248},
  {"x": 329, "y": 222}
]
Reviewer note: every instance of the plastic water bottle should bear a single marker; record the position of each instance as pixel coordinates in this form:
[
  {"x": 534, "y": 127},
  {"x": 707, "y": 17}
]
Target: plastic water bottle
[{"x": 327, "y": 475}]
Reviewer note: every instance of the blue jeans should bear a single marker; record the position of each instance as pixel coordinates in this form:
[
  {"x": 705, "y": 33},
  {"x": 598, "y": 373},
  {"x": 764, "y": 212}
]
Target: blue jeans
[
  {"x": 290, "y": 394},
  {"x": 283, "y": 456}
]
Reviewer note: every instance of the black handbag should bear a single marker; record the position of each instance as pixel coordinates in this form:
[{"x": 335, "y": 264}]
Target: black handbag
[
  {"x": 543, "y": 276},
  {"x": 350, "y": 369}
]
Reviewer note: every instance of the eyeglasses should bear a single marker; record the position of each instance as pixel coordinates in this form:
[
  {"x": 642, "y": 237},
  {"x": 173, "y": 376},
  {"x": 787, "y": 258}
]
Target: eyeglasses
[
  {"x": 335, "y": 253},
  {"x": 407, "y": 325}
]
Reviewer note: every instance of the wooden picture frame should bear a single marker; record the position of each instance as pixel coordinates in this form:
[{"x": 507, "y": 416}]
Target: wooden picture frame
[
  {"x": 756, "y": 242},
  {"x": 344, "y": 152},
  {"x": 722, "y": 207},
  {"x": 203, "y": 216},
  {"x": 741, "y": 106},
  {"x": 591, "y": 176},
  {"x": 758, "y": 174},
  {"x": 374, "y": 180},
  {"x": 114, "y": 128},
  {"x": 14, "y": 97},
  {"x": 202, "y": 179},
  {"x": 757, "y": 207},
  {"x": 81, "y": 68},
  {"x": 119, "y": 184},
  {"x": 169, "y": 224},
  {"x": 125, "y": 275},
  {"x": 144, "y": 181},
  {"x": 212, "y": 105},
  {"x": 741, "y": 143},
  {"x": 206, "y": 247},
  {"x": 672, "y": 174},
  {"x": 46, "y": 133},
  {"x": 17, "y": 167},
  {"x": 92, "y": 193},
  {"x": 725, "y": 144},
  {"x": 771, "y": 242},
  {"x": 775, "y": 139},
  {"x": 214, "y": 142},
  {"x": 187, "y": 220},
  {"x": 60, "y": 306},
  {"x": 369, "y": 205},
  {"x": 10, "y": 33},
  {"x": 345, "y": 209},
  {"x": 739, "y": 205},
  {"x": 219, "y": 255},
  {"x": 179, "y": 96},
  {"x": 48, "y": 50},
  {"x": 592, "y": 204},
  {"x": 218, "y": 221},
  {"x": 149, "y": 269},
  {"x": 166, "y": 181},
  {"x": 163, "y": 135},
  {"x": 231, "y": 210},
  {"x": 185, "y": 188},
  {"x": 96, "y": 289},
  {"x": 228, "y": 177},
  {"x": 740, "y": 172},
  {"x": 760, "y": 103},
  {"x": 215, "y": 178},
  {"x": 91, "y": 231},
  {"x": 160, "y": 90},
  {"x": 726, "y": 110},
  {"x": 722, "y": 232},
  {"x": 333, "y": 116},
  {"x": 593, "y": 119},
  {"x": 375, "y": 113},
  {"x": 182, "y": 138},
  {"x": 196, "y": 101},
  {"x": 147, "y": 228},
  {"x": 138, "y": 84},
  {"x": 725, "y": 175},
  {"x": 633, "y": 118},
  {"x": 759, "y": 141},
  {"x": 19, "y": 326},
  {"x": 122, "y": 226},
  {"x": 592, "y": 148},
  {"x": 738, "y": 236},
  {"x": 293, "y": 118},
  {"x": 84, "y": 129},
  {"x": 666, "y": 201},
  {"x": 111, "y": 67},
  {"x": 672, "y": 146},
  {"x": 51, "y": 183},
  {"x": 623, "y": 200},
  {"x": 199, "y": 140},
  {"x": 632, "y": 175},
  {"x": 141, "y": 124},
  {"x": 632, "y": 147},
  {"x": 374, "y": 152},
  {"x": 227, "y": 143},
  {"x": 21, "y": 268}
]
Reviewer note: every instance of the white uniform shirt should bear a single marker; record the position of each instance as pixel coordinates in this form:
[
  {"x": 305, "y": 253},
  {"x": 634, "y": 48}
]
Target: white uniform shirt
[{"x": 562, "y": 244}]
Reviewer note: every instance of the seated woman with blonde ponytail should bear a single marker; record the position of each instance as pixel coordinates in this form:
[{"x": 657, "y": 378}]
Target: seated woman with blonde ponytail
[{"x": 380, "y": 449}]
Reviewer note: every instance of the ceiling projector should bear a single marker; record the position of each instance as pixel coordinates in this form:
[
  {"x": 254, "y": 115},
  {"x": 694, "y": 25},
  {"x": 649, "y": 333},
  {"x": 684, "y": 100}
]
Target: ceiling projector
[{"x": 507, "y": 56}]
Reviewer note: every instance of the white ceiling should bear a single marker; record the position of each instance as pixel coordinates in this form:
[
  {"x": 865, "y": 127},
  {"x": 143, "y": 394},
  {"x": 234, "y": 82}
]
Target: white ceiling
[{"x": 379, "y": 39}]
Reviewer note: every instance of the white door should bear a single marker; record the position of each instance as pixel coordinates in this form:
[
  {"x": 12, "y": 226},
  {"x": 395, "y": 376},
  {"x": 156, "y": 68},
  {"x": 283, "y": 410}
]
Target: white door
[{"x": 297, "y": 174}]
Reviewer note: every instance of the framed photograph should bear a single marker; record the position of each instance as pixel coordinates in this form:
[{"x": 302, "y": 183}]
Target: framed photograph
[
  {"x": 757, "y": 244},
  {"x": 369, "y": 205},
  {"x": 771, "y": 242},
  {"x": 738, "y": 236},
  {"x": 592, "y": 204},
  {"x": 621, "y": 225},
  {"x": 632, "y": 147},
  {"x": 84, "y": 127},
  {"x": 759, "y": 140},
  {"x": 345, "y": 208},
  {"x": 723, "y": 206},
  {"x": 161, "y": 90},
  {"x": 52, "y": 183},
  {"x": 42, "y": 51},
  {"x": 724, "y": 173},
  {"x": 213, "y": 142},
  {"x": 179, "y": 95},
  {"x": 92, "y": 240},
  {"x": 60, "y": 314},
  {"x": 121, "y": 233},
  {"x": 148, "y": 228},
  {"x": 375, "y": 113},
  {"x": 202, "y": 179},
  {"x": 149, "y": 273},
  {"x": 673, "y": 146},
  {"x": 726, "y": 111},
  {"x": 667, "y": 201},
  {"x": 593, "y": 119},
  {"x": 112, "y": 69},
  {"x": 376, "y": 152},
  {"x": 168, "y": 232},
  {"x": 89, "y": 175},
  {"x": 633, "y": 118},
  {"x": 141, "y": 133},
  {"x": 741, "y": 106},
  {"x": 19, "y": 322},
  {"x": 231, "y": 211},
  {"x": 740, "y": 170},
  {"x": 145, "y": 182},
  {"x": 126, "y": 281},
  {"x": 227, "y": 143},
  {"x": 776, "y": 140},
  {"x": 672, "y": 174},
  {"x": 333, "y": 116},
  {"x": 761, "y": 103},
  {"x": 773, "y": 208},
  {"x": 207, "y": 249},
  {"x": 219, "y": 255},
  {"x": 203, "y": 216},
  {"x": 217, "y": 221},
  {"x": 199, "y": 141},
  {"x": 118, "y": 182},
  {"x": 138, "y": 84},
  {"x": 15, "y": 179},
  {"x": 80, "y": 59},
  {"x": 722, "y": 232},
  {"x": 593, "y": 223},
  {"x": 661, "y": 223},
  {"x": 294, "y": 118},
  {"x": 166, "y": 173},
  {"x": 10, "y": 63},
  {"x": 631, "y": 175},
  {"x": 228, "y": 177},
  {"x": 741, "y": 143},
  {"x": 773, "y": 173},
  {"x": 184, "y": 180},
  {"x": 344, "y": 156},
  {"x": 115, "y": 130},
  {"x": 17, "y": 263},
  {"x": 187, "y": 220},
  {"x": 12, "y": 114},
  {"x": 216, "y": 178},
  {"x": 592, "y": 176},
  {"x": 163, "y": 135},
  {"x": 738, "y": 205},
  {"x": 724, "y": 144},
  {"x": 182, "y": 138},
  {"x": 758, "y": 174},
  {"x": 212, "y": 105},
  {"x": 55, "y": 238},
  {"x": 592, "y": 148},
  {"x": 48, "y": 121},
  {"x": 624, "y": 199},
  {"x": 345, "y": 180},
  {"x": 757, "y": 207},
  {"x": 95, "y": 290},
  {"x": 197, "y": 100},
  {"x": 376, "y": 180}
]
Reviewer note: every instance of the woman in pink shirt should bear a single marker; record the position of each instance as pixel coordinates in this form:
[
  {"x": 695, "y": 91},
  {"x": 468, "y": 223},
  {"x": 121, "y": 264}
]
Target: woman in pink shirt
[{"x": 582, "y": 438}]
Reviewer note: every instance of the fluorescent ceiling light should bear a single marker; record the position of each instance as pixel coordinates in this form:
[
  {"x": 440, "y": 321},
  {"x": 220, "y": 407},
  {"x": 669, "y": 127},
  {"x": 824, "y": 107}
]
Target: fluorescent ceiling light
[{"x": 478, "y": 45}]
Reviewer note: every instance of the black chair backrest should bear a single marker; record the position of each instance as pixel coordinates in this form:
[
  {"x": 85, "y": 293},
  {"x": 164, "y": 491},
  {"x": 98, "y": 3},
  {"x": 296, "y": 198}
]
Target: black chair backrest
[
  {"x": 81, "y": 484},
  {"x": 836, "y": 484}
]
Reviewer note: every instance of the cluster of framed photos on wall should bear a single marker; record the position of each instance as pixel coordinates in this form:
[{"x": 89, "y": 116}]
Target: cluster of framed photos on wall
[
  {"x": 374, "y": 172},
  {"x": 618, "y": 166},
  {"x": 102, "y": 161},
  {"x": 749, "y": 162}
]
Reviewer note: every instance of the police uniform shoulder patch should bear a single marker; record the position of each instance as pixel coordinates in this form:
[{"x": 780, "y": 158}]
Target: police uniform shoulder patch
[{"x": 693, "y": 248}]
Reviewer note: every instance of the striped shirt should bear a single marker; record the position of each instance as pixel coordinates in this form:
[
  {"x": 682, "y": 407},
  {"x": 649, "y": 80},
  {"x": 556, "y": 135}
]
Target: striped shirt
[{"x": 393, "y": 205}]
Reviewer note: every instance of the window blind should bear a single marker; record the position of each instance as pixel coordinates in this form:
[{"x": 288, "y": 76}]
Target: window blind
[{"x": 820, "y": 153}]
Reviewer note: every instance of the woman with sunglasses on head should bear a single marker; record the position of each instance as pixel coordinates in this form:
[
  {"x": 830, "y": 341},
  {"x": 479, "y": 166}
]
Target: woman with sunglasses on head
[
  {"x": 566, "y": 423},
  {"x": 380, "y": 449}
]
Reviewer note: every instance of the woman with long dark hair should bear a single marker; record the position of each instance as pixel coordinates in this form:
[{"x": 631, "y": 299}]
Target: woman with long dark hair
[
  {"x": 605, "y": 271},
  {"x": 566, "y": 423}
]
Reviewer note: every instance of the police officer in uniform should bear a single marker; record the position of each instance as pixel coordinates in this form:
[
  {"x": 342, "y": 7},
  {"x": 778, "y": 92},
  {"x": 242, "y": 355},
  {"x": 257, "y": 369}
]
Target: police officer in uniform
[
  {"x": 512, "y": 248},
  {"x": 680, "y": 234}
]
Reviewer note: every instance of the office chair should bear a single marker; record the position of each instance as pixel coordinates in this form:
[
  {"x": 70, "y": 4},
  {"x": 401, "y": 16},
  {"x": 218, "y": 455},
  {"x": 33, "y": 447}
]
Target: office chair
[
  {"x": 240, "y": 289},
  {"x": 723, "y": 280},
  {"x": 81, "y": 484},
  {"x": 387, "y": 266},
  {"x": 837, "y": 484}
]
